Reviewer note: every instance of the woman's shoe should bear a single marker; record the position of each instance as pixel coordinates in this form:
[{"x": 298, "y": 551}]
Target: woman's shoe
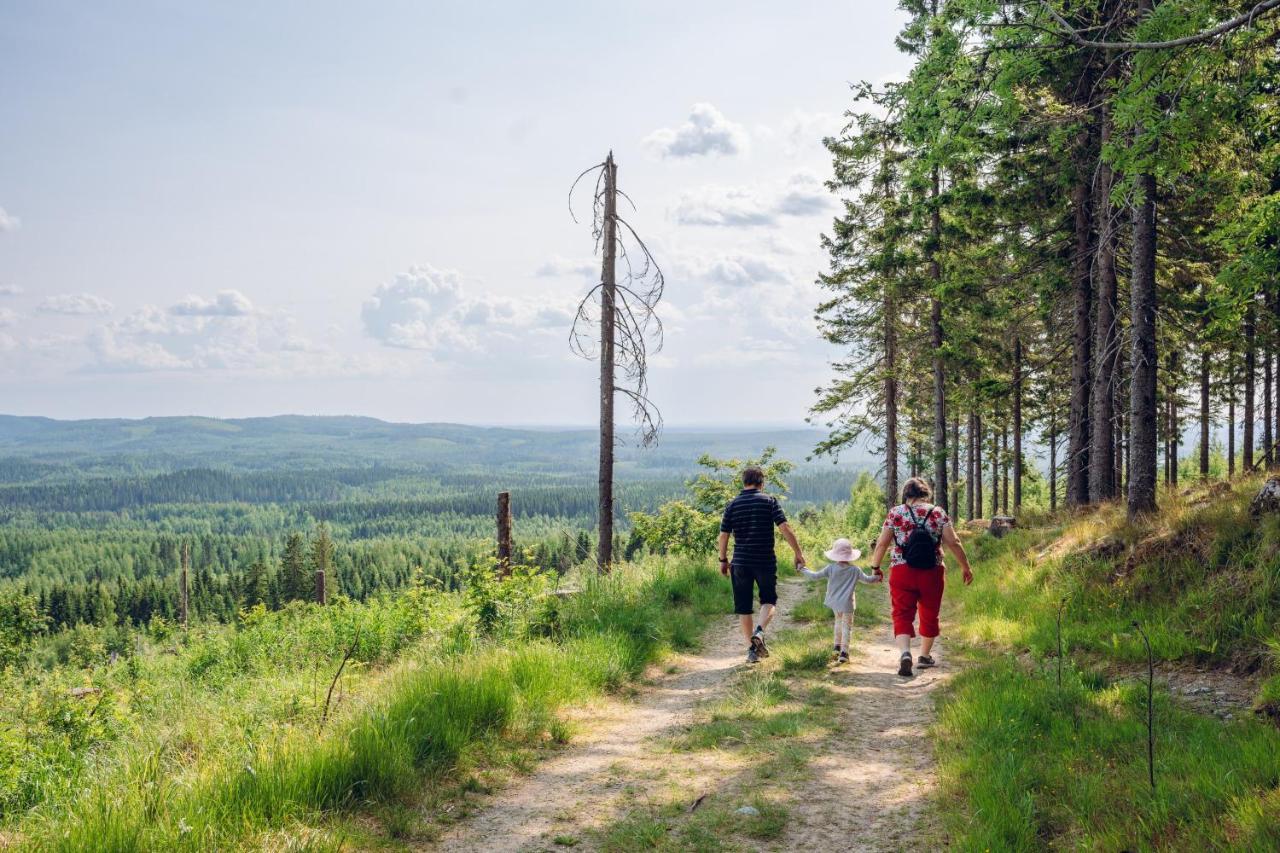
[
  {"x": 925, "y": 661},
  {"x": 904, "y": 665}
]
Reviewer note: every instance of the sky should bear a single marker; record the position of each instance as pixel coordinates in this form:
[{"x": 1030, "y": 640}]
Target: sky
[{"x": 240, "y": 209}]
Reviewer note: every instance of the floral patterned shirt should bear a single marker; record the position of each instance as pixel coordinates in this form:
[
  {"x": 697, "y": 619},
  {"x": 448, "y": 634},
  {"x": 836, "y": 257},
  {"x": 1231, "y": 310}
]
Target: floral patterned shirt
[{"x": 899, "y": 521}]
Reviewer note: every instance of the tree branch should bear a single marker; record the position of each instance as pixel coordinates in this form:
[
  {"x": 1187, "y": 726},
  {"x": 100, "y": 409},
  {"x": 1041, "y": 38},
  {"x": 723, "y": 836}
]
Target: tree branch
[{"x": 1242, "y": 20}]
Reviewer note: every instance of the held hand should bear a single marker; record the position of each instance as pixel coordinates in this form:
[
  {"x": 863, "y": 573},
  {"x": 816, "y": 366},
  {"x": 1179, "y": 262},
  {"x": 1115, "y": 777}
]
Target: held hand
[
  {"x": 800, "y": 562},
  {"x": 968, "y": 575},
  {"x": 724, "y": 568}
]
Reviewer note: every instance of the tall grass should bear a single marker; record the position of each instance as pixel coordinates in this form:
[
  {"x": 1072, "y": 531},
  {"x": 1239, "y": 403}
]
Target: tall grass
[
  {"x": 1030, "y": 766},
  {"x": 423, "y": 722}
]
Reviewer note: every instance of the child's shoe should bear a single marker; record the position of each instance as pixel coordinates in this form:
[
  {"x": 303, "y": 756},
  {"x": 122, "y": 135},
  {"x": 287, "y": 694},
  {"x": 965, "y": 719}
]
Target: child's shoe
[
  {"x": 844, "y": 657},
  {"x": 925, "y": 661}
]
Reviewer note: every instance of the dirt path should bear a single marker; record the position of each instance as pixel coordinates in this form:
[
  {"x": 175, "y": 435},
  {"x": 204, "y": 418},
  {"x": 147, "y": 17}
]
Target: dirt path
[
  {"x": 864, "y": 788},
  {"x": 873, "y": 779}
]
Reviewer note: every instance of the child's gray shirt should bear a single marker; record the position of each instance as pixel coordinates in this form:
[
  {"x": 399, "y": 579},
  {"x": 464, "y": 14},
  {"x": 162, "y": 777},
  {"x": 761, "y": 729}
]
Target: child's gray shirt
[{"x": 841, "y": 581}]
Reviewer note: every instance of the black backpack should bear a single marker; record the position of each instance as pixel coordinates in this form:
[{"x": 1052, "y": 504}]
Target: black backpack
[{"x": 920, "y": 549}]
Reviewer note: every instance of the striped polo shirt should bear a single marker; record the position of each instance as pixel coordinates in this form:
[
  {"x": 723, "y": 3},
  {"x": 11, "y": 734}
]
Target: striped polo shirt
[{"x": 751, "y": 517}]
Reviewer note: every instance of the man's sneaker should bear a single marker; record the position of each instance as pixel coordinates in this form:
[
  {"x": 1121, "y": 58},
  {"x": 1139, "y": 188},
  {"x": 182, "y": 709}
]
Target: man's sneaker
[
  {"x": 758, "y": 646},
  {"x": 925, "y": 661},
  {"x": 904, "y": 666},
  {"x": 752, "y": 657},
  {"x": 844, "y": 657}
]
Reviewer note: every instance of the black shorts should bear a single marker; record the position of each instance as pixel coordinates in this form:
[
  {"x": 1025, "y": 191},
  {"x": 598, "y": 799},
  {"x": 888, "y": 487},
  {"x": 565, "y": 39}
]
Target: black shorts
[{"x": 763, "y": 575}]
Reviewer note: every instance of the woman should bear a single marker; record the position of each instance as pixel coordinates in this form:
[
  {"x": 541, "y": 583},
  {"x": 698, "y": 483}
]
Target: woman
[{"x": 917, "y": 590}]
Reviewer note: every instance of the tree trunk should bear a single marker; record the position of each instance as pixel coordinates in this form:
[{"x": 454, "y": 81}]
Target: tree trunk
[
  {"x": 1231, "y": 415},
  {"x": 608, "y": 302},
  {"x": 1142, "y": 386},
  {"x": 1204, "y": 410},
  {"x": 1273, "y": 348},
  {"x": 1102, "y": 463},
  {"x": 1174, "y": 432},
  {"x": 955, "y": 465},
  {"x": 184, "y": 594},
  {"x": 995, "y": 469},
  {"x": 935, "y": 321},
  {"x": 1118, "y": 409},
  {"x": 1053, "y": 462},
  {"x": 1017, "y": 426},
  {"x": 968, "y": 480},
  {"x": 977, "y": 465},
  {"x": 890, "y": 400},
  {"x": 1266, "y": 404},
  {"x": 1081, "y": 351},
  {"x": 504, "y": 533},
  {"x": 1250, "y": 369},
  {"x": 1004, "y": 470}
]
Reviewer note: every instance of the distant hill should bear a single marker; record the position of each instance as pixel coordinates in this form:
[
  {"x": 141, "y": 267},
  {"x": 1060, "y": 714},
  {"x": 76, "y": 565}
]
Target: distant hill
[{"x": 294, "y": 441}]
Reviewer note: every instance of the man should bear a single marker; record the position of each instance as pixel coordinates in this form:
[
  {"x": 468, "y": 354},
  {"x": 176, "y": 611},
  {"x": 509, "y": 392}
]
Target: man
[{"x": 751, "y": 517}]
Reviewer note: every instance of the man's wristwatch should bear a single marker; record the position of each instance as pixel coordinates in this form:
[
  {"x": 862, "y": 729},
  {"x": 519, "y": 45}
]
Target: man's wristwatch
[{"x": 724, "y": 559}]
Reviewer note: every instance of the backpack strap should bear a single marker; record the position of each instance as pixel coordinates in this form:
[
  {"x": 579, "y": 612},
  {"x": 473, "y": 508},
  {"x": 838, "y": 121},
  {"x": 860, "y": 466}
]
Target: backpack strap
[{"x": 923, "y": 524}]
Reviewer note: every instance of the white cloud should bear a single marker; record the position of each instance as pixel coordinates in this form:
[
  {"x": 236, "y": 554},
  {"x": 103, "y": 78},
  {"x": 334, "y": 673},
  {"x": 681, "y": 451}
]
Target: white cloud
[
  {"x": 553, "y": 317},
  {"x": 227, "y": 303},
  {"x": 222, "y": 333},
  {"x": 8, "y": 222},
  {"x": 561, "y": 266},
  {"x": 727, "y": 206},
  {"x": 745, "y": 270},
  {"x": 802, "y": 195},
  {"x": 7, "y": 343},
  {"x": 7, "y": 318},
  {"x": 706, "y": 132},
  {"x": 419, "y": 309},
  {"x": 753, "y": 350},
  {"x": 76, "y": 304},
  {"x": 116, "y": 350},
  {"x": 802, "y": 132},
  {"x": 429, "y": 309},
  {"x": 296, "y": 343},
  {"x": 10, "y": 290}
]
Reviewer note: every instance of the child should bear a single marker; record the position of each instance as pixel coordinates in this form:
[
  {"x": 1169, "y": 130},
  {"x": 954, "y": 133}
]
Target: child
[{"x": 842, "y": 578}]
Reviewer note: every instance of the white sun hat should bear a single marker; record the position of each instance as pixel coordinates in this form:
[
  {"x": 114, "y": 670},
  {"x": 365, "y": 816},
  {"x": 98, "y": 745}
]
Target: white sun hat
[{"x": 842, "y": 551}]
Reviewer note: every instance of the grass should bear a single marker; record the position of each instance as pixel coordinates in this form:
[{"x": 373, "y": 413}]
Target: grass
[
  {"x": 756, "y": 711},
  {"x": 1201, "y": 577},
  {"x": 424, "y": 727},
  {"x": 714, "y": 827},
  {"x": 1026, "y": 766}
]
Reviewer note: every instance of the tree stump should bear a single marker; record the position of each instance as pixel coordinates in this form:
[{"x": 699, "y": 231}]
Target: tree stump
[
  {"x": 1267, "y": 501},
  {"x": 1001, "y": 524}
]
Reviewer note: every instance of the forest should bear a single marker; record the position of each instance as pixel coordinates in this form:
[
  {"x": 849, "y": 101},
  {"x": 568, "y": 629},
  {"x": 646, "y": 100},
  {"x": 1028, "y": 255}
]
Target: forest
[
  {"x": 1061, "y": 237},
  {"x": 94, "y": 515}
]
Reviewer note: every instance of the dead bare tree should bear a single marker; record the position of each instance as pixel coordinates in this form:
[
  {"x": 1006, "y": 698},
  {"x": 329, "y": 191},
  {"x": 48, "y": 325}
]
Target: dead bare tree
[{"x": 629, "y": 330}]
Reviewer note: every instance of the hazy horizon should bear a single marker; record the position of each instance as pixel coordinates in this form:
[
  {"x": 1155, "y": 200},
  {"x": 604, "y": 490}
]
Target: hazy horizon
[{"x": 687, "y": 426}]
